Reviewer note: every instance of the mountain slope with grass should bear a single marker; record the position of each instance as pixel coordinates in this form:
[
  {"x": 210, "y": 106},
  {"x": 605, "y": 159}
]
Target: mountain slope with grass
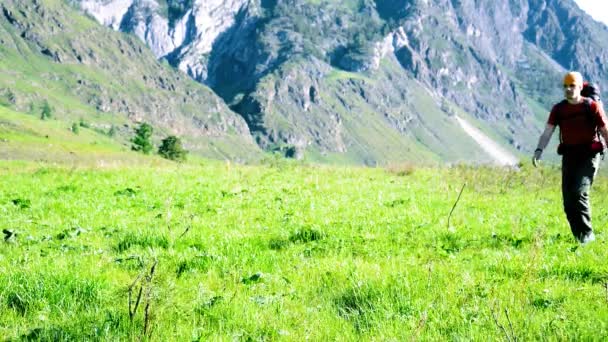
[
  {"x": 25, "y": 137},
  {"x": 375, "y": 80},
  {"x": 55, "y": 59},
  {"x": 360, "y": 81}
]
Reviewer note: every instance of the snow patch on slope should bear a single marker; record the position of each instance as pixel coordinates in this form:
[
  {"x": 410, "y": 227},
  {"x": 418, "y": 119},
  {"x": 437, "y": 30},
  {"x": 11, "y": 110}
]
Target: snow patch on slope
[{"x": 499, "y": 154}]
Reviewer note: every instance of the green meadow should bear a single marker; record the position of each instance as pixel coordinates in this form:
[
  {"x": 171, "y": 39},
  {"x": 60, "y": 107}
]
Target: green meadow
[{"x": 138, "y": 248}]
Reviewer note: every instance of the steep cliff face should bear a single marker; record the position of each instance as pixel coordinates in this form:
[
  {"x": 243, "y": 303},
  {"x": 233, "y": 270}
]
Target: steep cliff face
[
  {"x": 89, "y": 73},
  {"x": 570, "y": 37},
  {"x": 181, "y": 31},
  {"x": 348, "y": 78}
]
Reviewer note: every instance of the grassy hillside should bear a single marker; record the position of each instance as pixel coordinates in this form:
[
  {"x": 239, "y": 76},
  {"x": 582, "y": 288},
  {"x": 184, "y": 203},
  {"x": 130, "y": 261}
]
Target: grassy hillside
[
  {"x": 50, "y": 53},
  {"x": 283, "y": 251},
  {"x": 27, "y": 138}
]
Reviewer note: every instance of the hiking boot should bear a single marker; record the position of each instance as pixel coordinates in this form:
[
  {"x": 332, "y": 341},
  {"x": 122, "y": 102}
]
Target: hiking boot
[{"x": 586, "y": 238}]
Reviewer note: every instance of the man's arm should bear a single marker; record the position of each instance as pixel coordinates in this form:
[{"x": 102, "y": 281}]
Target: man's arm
[
  {"x": 543, "y": 141},
  {"x": 604, "y": 133},
  {"x": 602, "y": 120}
]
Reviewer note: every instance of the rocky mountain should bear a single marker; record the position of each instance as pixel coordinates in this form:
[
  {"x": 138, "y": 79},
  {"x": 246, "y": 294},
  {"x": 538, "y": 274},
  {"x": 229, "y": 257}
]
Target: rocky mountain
[
  {"x": 374, "y": 81},
  {"x": 52, "y": 55}
]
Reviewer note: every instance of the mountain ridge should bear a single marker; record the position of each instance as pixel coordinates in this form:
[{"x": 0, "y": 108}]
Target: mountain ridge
[{"x": 376, "y": 81}]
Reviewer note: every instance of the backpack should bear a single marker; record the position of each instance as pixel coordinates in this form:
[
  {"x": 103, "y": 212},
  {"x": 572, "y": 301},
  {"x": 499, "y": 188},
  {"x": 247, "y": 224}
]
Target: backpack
[{"x": 591, "y": 91}]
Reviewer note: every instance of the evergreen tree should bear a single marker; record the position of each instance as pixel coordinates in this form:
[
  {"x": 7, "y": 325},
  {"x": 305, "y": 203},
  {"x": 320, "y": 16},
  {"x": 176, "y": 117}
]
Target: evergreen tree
[
  {"x": 171, "y": 148},
  {"x": 46, "y": 110},
  {"x": 112, "y": 131},
  {"x": 141, "y": 140}
]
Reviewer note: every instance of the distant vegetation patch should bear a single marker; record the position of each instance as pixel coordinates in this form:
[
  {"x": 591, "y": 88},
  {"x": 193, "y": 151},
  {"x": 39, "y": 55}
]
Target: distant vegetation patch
[
  {"x": 545, "y": 302},
  {"x": 368, "y": 304},
  {"x": 306, "y": 234},
  {"x": 176, "y": 10},
  {"x": 22, "y": 203},
  {"x": 302, "y": 235},
  {"x": 128, "y": 192},
  {"x": 142, "y": 240},
  {"x": 579, "y": 273},
  {"x": 401, "y": 169},
  {"x": 27, "y": 293},
  {"x": 196, "y": 263}
]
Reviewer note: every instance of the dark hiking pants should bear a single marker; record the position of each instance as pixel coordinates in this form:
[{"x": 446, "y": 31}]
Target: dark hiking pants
[{"x": 577, "y": 176}]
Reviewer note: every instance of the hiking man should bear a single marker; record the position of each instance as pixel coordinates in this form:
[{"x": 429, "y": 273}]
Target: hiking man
[{"x": 580, "y": 120}]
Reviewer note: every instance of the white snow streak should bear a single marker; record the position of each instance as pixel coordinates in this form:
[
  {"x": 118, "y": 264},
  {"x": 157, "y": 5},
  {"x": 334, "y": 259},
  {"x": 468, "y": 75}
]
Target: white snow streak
[{"x": 500, "y": 155}]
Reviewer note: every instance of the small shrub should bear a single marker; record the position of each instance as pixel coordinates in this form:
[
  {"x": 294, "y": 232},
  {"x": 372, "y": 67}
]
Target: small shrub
[{"x": 75, "y": 128}]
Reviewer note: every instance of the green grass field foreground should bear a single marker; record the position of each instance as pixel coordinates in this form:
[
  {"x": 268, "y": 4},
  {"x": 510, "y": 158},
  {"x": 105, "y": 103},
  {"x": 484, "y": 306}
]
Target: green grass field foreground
[{"x": 285, "y": 251}]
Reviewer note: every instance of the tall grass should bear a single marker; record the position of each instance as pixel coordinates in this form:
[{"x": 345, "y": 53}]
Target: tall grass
[{"x": 287, "y": 251}]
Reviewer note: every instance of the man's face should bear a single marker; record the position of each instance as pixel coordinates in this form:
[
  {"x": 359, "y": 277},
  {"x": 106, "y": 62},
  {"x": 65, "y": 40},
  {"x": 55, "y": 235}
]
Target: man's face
[{"x": 572, "y": 90}]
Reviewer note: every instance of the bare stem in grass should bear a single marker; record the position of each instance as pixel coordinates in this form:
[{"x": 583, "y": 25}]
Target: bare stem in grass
[
  {"x": 510, "y": 325},
  {"x": 506, "y": 183},
  {"x": 187, "y": 228},
  {"x": 421, "y": 324},
  {"x": 543, "y": 178},
  {"x": 147, "y": 316},
  {"x": 430, "y": 277},
  {"x": 133, "y": 308},
  {"x": 454, "y": 206},
  {"x": 143, "y": 287},
  {"x": 131, "y": 257},
  {"x": 184, "y": 233},
  {"x": 499, "y": 325}
]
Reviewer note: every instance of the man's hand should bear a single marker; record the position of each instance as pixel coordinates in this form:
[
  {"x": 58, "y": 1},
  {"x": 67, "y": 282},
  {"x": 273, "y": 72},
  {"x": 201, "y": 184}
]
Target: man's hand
[
  {"x": 542, "y": 143},
  {"x": 536, "y": 157}
]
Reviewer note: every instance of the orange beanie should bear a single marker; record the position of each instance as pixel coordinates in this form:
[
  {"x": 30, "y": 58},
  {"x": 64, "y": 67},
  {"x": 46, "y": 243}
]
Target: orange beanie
[{"x": 573, "y": 77}]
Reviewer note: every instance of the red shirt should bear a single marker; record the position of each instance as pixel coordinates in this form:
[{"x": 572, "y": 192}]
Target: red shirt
[{"x": 575, "y": 123}]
